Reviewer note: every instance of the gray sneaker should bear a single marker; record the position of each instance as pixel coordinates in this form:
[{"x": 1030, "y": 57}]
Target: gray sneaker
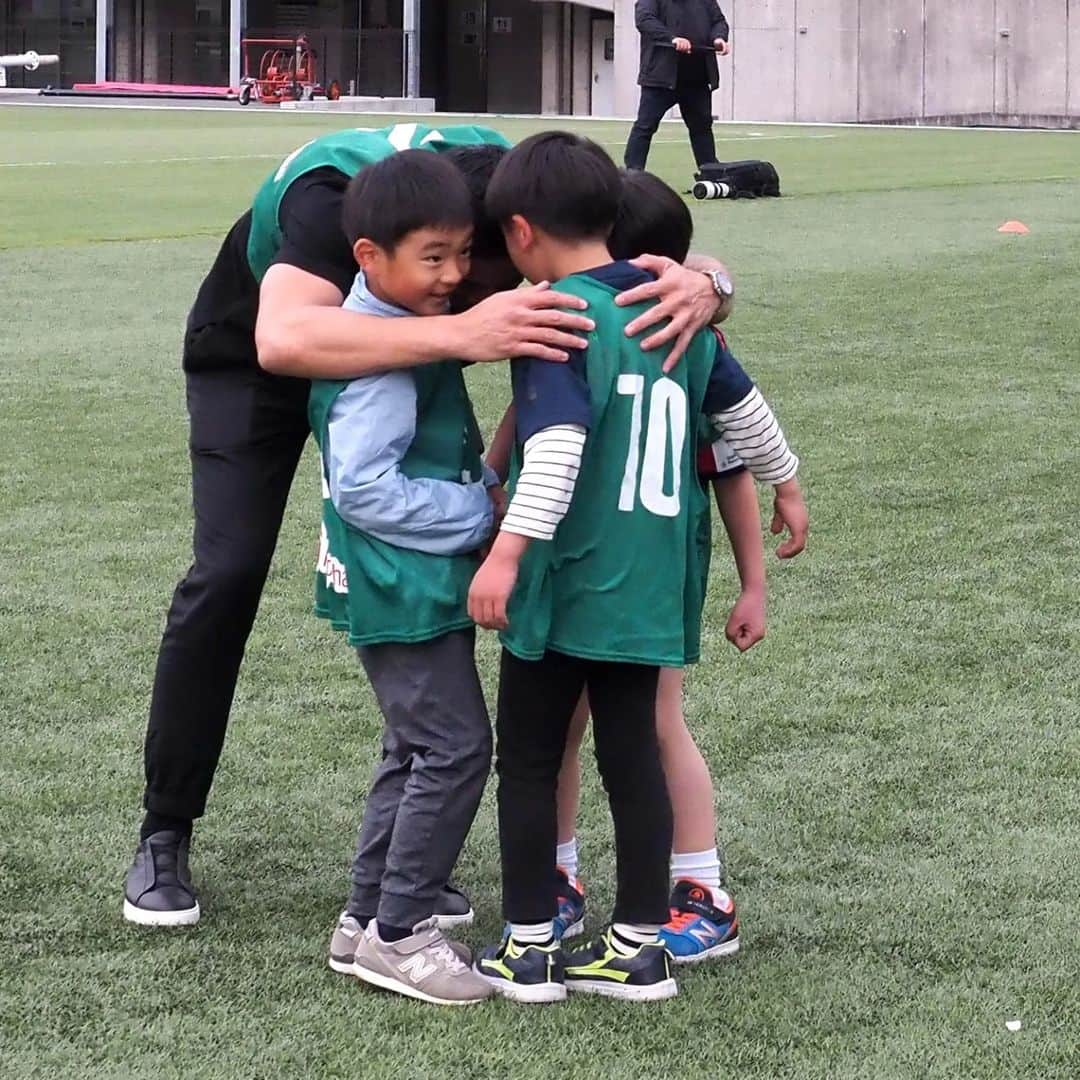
[
  {"x": 347, "y": 935},
  {"x": 346, "y": 938},
  {"x": 422, "y": 966}
]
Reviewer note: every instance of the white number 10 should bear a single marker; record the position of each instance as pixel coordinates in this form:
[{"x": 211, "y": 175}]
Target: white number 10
[{"x": 667, "y": 428}]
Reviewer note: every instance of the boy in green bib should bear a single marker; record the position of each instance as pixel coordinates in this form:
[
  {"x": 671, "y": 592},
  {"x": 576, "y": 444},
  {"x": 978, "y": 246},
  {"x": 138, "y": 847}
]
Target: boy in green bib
[
  {"x": 406, "y": 508},
  {"x": 594, "y": 577}
]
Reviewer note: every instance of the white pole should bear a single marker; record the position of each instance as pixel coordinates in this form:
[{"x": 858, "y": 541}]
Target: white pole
[
  {"x": 101, "y": 43},
  {"x": 411, "y": 44},
  {"x": 29, "y": 60},
  {"x": 236, "y": 18}
]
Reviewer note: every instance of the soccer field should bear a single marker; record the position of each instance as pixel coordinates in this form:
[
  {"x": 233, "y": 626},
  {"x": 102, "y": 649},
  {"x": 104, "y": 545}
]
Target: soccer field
[{"x": 897, "y": 764}]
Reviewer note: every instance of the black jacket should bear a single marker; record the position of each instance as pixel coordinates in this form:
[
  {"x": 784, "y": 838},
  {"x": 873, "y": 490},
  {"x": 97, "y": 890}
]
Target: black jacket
[{"x": 658, "y": 21}]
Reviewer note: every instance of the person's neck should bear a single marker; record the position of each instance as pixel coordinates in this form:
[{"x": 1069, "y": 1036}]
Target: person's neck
[
  {"x": 569, "y": 259},
  {"x": 376, "y": 289}
]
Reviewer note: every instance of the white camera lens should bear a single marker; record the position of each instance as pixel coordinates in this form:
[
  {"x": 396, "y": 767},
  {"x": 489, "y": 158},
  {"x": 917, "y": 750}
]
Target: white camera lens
[{"x": 711, "y": 189}]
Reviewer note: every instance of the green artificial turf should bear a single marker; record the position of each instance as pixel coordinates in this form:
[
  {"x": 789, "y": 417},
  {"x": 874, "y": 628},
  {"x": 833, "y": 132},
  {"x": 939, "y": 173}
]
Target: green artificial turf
[{"x": 897, "y": 765}]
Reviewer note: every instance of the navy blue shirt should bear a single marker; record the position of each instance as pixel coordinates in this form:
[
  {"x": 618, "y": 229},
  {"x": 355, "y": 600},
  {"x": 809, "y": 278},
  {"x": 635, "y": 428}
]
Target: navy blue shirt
[{"x": 547, "y": 393}]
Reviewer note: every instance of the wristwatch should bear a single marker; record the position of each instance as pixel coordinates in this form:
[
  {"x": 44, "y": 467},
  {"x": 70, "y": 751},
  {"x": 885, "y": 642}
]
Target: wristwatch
[{"x": 721, "y": 283}]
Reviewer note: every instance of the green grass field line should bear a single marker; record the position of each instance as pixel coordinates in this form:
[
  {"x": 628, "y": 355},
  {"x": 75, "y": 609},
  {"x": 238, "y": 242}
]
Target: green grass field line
[{"x": 897, "y": 764}]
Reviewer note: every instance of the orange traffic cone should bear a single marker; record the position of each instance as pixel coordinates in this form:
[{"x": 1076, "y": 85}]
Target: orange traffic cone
[{"x": 1018, "y": 228}]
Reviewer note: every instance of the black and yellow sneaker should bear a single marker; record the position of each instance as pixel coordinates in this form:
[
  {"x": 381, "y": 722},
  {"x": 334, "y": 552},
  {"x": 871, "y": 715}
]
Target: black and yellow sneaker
[
  {"x": 527, "y": 973},
  {"x": 643, "y": 974}
]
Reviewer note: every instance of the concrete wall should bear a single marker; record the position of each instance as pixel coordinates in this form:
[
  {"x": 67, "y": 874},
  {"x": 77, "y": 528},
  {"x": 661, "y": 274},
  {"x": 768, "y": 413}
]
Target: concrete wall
[{"x": 870, "y": 60}]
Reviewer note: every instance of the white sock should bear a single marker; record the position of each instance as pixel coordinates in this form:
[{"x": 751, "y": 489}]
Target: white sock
[
  {"x": 626, "y": 937},
  {"x": 528, "y": 933},
  {"x": 700, "y": 866},
  {"x": 566, "y": 857}
]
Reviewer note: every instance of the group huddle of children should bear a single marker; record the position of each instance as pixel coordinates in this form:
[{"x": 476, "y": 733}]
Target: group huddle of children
[{"x": 594, "y": 570}]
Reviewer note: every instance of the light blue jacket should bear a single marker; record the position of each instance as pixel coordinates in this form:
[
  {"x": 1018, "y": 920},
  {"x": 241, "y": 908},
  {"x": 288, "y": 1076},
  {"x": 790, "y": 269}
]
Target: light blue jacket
[{"x": 371, "y": 427}]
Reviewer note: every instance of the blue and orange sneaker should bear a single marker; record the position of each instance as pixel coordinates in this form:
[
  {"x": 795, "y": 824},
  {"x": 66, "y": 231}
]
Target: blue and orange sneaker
[
  {"x": 703, "y": 924},
  {"x": 570, "y": 920}
]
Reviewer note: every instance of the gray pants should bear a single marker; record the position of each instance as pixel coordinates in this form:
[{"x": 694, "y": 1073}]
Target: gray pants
[{"x": 424, "y": 794}]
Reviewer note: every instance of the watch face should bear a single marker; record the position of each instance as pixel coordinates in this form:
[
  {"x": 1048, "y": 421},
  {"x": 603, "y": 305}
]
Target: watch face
[{"x": 722, "y": 283}]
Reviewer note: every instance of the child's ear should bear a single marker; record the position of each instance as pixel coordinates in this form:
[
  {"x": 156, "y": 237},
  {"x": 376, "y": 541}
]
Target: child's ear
[
  {"x": 522, "y": 232},
  {"x": 365, "y": 252}
]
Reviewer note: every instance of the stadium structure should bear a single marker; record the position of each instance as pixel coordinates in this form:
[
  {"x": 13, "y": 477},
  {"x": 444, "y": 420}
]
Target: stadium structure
[{"x": 966, "y": 61}]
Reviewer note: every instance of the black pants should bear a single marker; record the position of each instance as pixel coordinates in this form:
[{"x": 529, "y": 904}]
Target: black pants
[
  {"x": 247, "y": 432},
  {"x": 536, "y": 702},
  {"x": 694, "y": 102}
]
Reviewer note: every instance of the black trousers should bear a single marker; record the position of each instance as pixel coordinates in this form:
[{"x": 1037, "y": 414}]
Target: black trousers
[
  {"x": 247, "y": 433},
  {"x": 695, "y": 103},
  {"x": 536, "y": 702}
]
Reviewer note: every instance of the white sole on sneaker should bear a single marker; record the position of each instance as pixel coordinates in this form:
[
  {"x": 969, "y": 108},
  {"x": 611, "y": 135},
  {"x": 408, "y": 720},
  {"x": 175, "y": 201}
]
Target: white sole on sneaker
[
  {"x": 653, "y": 992},
  {"x": 573, "y": 930},
  {"x": 537, "y": 994},
  {"x": 384, "y": 982},
  {"x": 725, "y": 948},
  {"x": 342, "y": 967},
  {"x": 449, "y": 922},
  {"x": 143, "y": 917}
]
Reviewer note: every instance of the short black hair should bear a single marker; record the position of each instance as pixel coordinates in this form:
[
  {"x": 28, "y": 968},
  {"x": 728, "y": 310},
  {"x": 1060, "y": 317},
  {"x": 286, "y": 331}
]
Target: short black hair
[
  {"x": 410, "y": 190},
  {"x": 477, "y": 162},
  {"x": 561, "y": 183},
  {"x": 653, "y": 219}
]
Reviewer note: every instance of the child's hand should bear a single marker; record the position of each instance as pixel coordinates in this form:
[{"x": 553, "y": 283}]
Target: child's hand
[
  {"x": 490, "y": 591},
  {"x": 746, "y": 624},
  {"x": 789, "y": 511}
]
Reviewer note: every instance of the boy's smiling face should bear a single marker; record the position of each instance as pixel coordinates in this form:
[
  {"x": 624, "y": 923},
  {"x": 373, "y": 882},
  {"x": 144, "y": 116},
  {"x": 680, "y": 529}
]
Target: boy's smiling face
[{"x": 423, "y": 270}]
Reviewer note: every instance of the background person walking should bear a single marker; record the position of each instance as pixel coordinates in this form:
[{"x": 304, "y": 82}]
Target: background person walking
[{"x": 680, "y": 40}]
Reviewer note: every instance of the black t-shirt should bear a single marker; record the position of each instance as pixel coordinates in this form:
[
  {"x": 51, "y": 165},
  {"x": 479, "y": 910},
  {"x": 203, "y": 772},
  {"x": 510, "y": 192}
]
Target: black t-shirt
[{"x": 221, "y": 326}]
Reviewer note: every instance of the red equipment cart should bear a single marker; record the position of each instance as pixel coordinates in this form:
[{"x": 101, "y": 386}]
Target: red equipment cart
[{"x": 287, "y": 72}]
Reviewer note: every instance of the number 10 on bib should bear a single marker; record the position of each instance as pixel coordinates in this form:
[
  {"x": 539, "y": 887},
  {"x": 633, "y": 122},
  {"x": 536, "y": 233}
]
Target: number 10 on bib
[{"x": 665, "y": 438}]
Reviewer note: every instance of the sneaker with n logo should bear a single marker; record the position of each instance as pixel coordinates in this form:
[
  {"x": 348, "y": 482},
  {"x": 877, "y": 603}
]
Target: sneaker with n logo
[
  {"x": 641, "y": 973},
  {"x": 703, "y": 924},
  {"x": 570, "y": 911},
  {"x": 424, "y": 966},
  {"x": 348, "y": 934},
  {"x": 524, "y": 972}
]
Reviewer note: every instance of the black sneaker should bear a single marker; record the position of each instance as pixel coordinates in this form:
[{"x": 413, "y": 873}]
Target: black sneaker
[
  {"x": 600, "y": 968},
  {"x": 531, "y": 974},
  {"x": 452, "y": 908},
  {"x": 158, "y": 890}
]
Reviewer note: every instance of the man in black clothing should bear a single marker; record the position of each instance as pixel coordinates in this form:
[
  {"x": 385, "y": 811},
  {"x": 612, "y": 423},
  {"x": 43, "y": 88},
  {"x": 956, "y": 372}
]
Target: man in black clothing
[{"x": 679, "y": 43}]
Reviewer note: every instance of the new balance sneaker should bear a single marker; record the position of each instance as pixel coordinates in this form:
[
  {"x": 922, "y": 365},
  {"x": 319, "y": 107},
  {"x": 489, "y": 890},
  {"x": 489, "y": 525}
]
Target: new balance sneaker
[
  {"x": 600, "y": 968},
  {"x": 527, "y": 973},
  {"x": 344, "y": 943},
  {"x": 452, "y": 908},
  {"x": 346, "y": 939},
  {"x": 158, "y": 889},
  {"x": 421, "y": 966},
  {"x": 703, "y": 924},
  {"x": 570, "y": 917}
]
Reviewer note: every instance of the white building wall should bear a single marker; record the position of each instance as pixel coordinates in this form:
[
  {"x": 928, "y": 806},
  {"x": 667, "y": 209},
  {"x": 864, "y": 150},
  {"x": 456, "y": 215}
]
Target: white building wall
[{"x": 848, "y": 60}]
